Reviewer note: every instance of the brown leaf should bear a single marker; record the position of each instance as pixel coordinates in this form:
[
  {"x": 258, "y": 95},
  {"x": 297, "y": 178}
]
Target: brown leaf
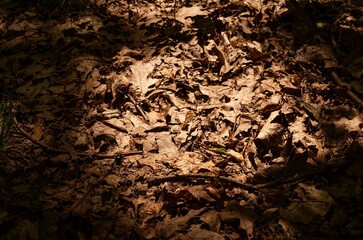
[
  {"x": 212, "y": 219},
  {"x": 25, "y": 229},
  {"x": 318, "y": 203},
  {"x": 169, "y": 226},
  {"x": 198, "y": 233},
  {"x": 271, "y": 133},
  {"x": 200, "y": 193},
  {"x": 246, "y": 216}
]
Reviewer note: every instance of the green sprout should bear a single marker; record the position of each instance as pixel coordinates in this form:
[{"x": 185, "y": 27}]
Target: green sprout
[{"x": 221, "y": 150}]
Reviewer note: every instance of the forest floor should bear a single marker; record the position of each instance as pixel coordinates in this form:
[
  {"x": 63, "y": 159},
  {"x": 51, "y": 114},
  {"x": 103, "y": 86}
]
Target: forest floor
[{"x": 183, "y": 120}]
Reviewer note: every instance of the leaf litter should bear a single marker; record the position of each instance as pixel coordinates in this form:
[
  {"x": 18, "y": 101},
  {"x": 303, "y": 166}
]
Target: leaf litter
[{"x": 183, "y": 120}]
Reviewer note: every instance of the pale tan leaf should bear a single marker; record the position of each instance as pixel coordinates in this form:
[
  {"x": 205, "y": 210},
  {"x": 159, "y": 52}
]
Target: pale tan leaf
[
  {"x": 140, "y": 76},
  {"x": 191, "y": 162},
  {"x": 166, "y": 144},
  {"x": 271, "y": 133},
  {"x": 184, "y": 14}
]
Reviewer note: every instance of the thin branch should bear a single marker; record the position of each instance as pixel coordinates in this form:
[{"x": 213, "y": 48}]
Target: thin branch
[
  {"x": 227, "y": 180},
  {"x": 354, "y": 97},
  {"x": 190, "y": 177},
  {"x": 141, "y": 111},
  {"x": 57, "y": 150}
]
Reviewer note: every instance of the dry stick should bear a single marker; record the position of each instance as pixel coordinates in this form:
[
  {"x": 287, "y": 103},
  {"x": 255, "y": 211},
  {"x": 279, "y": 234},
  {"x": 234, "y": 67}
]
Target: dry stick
[
  {"x": 174, "y": 8},
  {"x": 233, "y": 182},
  {"x": 95, "y": 156},
  {"x": 351, "y": 94},
  {"x": 189, "y": 177},
  {"x": 33, "y": 140},
  {"x": 138, "y": 107},
  {"x": 57, "y": 150}
]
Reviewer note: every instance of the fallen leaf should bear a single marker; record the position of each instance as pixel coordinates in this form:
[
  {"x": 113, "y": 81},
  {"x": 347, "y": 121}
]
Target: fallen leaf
[
  {"x": 212, "y": 219},
  {"x": 245, "y": 215},
  {"x": 198, "y": 233},
  {"x": 169, "y": 226},
  {"x": 200, "y": 193},
  {"x": 317, "y": 203}
]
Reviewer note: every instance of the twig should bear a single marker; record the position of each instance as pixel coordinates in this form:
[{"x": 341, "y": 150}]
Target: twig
[
  {"x": 351, "y": 94},
  {"x": 174, "y": 9},
  {"x": 227, "y": 180},
  {"x": 190, "y": 177},
  {"x": 33, "y": 140},
  {"x": 141, "y": 111},
  {"x": 294, "y": 179},
  {"x": 57, "y": 150}
]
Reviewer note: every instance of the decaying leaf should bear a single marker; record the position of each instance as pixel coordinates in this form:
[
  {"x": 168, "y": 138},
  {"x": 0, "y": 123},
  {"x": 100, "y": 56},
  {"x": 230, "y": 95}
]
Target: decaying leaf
[
  {"x": 246, "y": 216},
  {"x": 317, "y": 203},
  {"x": 170, "y": 226},
  {"x": 200, "y": 193},
  {"x": 212, "y": 219},
  {"x": 196, "y": 232},
  {"x": 271, "y": 134},
  {"x": 244, "y": 111}
]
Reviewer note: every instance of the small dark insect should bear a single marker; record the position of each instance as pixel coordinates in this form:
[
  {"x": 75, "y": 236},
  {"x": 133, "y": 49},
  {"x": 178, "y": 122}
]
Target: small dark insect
[{"x": 119, "y": 159}]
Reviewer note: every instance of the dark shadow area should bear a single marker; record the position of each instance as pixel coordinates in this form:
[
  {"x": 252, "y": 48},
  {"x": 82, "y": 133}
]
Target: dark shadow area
[
  {"x": 45, "y": 64},
  {"x": 334, "y": 23},
  {"x": 334, "y": 29}
]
